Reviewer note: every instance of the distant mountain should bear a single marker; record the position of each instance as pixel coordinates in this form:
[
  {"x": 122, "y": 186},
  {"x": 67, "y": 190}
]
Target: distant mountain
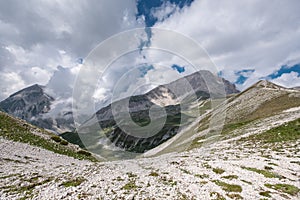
[
  {"x": 27, "y": 103},
  {"x": 168, "y": 97},
  {"x": 296, "y": 88},
  {"x": 33, "y": 105},
  {"x": 261, "y": 102}
]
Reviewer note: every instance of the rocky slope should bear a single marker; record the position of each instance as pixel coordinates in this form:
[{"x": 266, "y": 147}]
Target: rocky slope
[
  {"x": 33, "y": 104},
  {"x": 256, "y": 156},
  {"x": 262, "y": 100},
  {"x": 245, "y": 167},
  {"x": 176, "y": 98}
]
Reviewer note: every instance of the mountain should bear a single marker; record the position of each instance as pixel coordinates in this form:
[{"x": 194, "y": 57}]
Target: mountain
[
  {"x": 33, "y": 104},
  {"x": 176, "y": 98},
  {"x": 255, "y": 156},
  {"x": 296, "y": 88},
  {"x": 28, "y": 102},
  {"x": 263, "y": 103}
]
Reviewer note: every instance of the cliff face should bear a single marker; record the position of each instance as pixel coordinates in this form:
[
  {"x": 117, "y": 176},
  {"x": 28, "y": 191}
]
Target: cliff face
[
  {"x": 175, "y": 98},
  {"x": 33, "y": 105},
  {"x": 27, "y": 103}
]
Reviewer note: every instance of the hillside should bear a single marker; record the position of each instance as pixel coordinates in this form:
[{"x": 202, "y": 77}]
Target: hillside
[
  {"x": 264, "y": 101},
  {"x": 34, "y": 105},
  {"x": 255, "y": 156},
  {"x": 20, "y": 132},
  {"x": 252, "y": 167}
]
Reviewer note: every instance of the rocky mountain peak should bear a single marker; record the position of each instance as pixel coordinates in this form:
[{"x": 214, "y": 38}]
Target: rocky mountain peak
[
  {"x": 27, "y": 103},
  {"x": 267, "y": 84}
]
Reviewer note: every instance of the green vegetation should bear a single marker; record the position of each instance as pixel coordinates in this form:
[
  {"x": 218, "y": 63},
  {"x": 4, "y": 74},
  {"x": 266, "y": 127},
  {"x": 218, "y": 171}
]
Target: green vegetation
[
  {"x": 265, "y": 193},
  {"x": 64, "y": 142},
  {"x": 273, "y": 106},
  {"x": 153, "y": 174},
  {"x": 286, "y": 188},
  {"x": 74, "y": 182},
  {"x": 247, "y": 182},
  {"x": 228, "y": 187},
  {"x": 73, "y": 138},
  {"x": 167, "y": 181},
  {"x": 25, "y": 190},
  {"x": 266, "y": 173},
  {"x": 287, "y": 132},
  {"x": 13, "y": 129},
  {"x": 56, "y": 138},
  {"x": 185, "y": 171},
  {"x": 83, "y": 152},
  {"x": 235, "y": 196},
  {"x": 131, "y": 175},
  {"x": 130, "y": 185},
  {"x": 228, "y": 128},
  {"x": 202, "y": 175},
  {"x": 230, "y": 177},
  {"x": 216, "y": 196},
  {"x": 218, "y": 170}
]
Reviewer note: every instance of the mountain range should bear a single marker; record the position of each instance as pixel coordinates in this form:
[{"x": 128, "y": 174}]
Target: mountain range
[
  {"x": 243, "y": 146},
  {"x": 34, "y": 105}
]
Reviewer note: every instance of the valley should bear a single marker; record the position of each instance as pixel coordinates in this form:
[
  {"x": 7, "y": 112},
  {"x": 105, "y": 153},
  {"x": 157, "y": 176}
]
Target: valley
[{"x": 256, "y": 155}]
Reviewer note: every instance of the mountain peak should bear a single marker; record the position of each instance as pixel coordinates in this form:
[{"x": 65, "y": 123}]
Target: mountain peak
[
  {"x": 267, "y": 84},
  {"x": 27, "y": 103},
  {"x": 32, "y": 88}
]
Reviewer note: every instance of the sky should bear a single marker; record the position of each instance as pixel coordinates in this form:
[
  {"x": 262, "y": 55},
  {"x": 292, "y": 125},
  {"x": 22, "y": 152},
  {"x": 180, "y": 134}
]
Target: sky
[{"x": 46, "y": 42}]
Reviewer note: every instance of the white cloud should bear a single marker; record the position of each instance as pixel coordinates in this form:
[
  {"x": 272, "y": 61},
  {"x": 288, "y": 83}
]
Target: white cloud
[
  {"x": 11, "y": 82},
  {"x": 260, "y": 35},
  {"x": 45, "y": 34},
  {"x": 288, "y": 80}
]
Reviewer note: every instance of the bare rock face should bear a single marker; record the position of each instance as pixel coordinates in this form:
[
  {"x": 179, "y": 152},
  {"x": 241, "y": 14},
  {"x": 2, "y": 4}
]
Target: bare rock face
[
  {"x": 32, "y": 104},
  {"x": 169, "y": 97},
  {"x": 27, "y": 103}
]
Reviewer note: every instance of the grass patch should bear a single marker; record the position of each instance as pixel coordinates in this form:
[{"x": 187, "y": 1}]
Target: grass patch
[
  {"x": 228, "y": 128},
  {"x": 56, "y": 138},
  {"x": 235, "y": 196},
  {"x": 218, "y": 170},
  {"x": 286, "y": 188},
  {"x": 73, "y": 183},
  {"x": 15, "y": 130},
  {"x": 228, "y": 187},
  {"x": 26, "y": 190},
  {"x": 230, "y": 177},
  {"x": 265, "y": 193},
  {"x": 130, "y": 186},
  {"x": 202, "y": 176},
  {"x": 185, "y": 171},
  {"x": 287, "y": 132},
  {"x": 266, "y": 173},
  {"x": 216, "y": 196},
  {"x": 249, "y": 183},
  {"x": 154, "y": 174},
  {"x": 131, "y": 175}
]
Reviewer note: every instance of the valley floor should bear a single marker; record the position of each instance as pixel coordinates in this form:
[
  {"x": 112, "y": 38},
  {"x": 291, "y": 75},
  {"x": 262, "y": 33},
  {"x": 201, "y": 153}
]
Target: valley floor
[
  {"x": 222, "y": 171},
  {"x": 236, "y": 168}
]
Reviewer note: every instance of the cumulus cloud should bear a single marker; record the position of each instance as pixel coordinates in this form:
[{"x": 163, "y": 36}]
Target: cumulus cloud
[
  {"x": 291, "y": 80},
  {"x": 45, "y": 34},
  {"x": 260, "y": 35},
  {"x": 38, "y": 36}
]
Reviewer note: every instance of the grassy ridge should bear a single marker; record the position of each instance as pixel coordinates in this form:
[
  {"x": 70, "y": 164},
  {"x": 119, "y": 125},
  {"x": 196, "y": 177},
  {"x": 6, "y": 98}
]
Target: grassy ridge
[
  {"x": 13, "y": 129},
  {"x": 287, "y": 132}
]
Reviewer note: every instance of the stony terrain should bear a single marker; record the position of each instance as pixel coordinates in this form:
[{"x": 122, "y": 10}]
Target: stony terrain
[
  {"x": 232, "y": 169},
  {"x": 253, "y": 158}
]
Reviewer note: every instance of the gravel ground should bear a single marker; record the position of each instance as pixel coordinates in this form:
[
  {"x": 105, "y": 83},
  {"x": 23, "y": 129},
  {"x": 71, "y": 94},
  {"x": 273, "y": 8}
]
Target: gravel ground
[{"x": 225, "y": 169}]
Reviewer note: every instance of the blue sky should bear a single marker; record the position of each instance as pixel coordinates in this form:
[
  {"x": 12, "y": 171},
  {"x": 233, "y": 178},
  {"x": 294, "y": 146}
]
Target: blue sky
[{"x": 247, "y": 40}]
